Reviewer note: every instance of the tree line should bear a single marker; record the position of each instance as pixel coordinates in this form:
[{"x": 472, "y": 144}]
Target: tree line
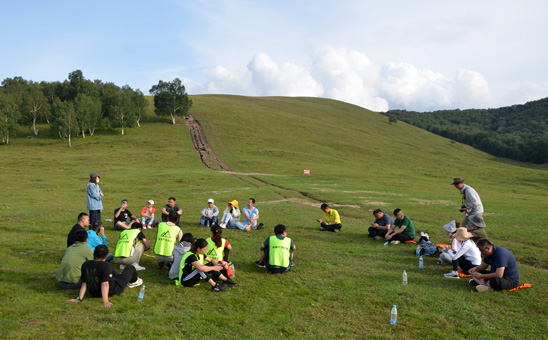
[
  {"x": 518, "y": 132},
  {"x": 79, "y": 106}
]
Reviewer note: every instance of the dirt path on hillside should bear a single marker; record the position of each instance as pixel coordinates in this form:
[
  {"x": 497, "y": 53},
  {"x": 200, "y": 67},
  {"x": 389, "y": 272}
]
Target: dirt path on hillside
[{"x": 199, "y": 141}]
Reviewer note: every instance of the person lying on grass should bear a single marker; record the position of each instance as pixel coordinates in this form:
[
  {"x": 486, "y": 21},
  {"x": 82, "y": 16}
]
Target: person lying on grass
[
  {"x": 402, "y": 230},
  {"x": 193, "y": 268},
  {"x": 277, "y": 252},
  {"x": 101, "y": 280}
]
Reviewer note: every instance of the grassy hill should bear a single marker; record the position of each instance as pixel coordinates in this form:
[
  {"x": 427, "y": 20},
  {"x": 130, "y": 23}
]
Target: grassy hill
[{"x": 343, "y": 285}]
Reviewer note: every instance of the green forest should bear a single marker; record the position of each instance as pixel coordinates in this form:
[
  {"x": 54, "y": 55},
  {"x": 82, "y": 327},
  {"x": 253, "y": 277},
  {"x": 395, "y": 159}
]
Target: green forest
[{"x": 518, "y": 132}]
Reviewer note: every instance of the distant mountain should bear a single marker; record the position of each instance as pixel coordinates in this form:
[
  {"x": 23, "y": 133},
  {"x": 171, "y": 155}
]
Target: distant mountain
[{"x": 518, "y": 132}]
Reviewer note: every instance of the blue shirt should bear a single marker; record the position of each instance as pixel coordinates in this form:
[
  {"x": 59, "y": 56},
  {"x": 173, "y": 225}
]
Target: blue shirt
[
  {"x": 94, "y": 199},
  {"x": 502, "y": 257},
  {"x": 385, "y": 220},
  {"x": 254, "y": 212},
  {"x": 94, "y": 240}
]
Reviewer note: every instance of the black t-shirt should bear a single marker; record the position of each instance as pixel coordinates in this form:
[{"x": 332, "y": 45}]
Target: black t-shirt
[
  {"x": 96, "y": 272},
  {"x": 71, "y": 238},
  {"x": 187, "y": 269},
  {"x": 123, "y": 216},
  {"x": 170, "y": 209}
]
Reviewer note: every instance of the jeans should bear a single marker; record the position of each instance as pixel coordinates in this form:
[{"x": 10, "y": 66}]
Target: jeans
[
  {"x": 230, "y": 223},
  {"x": 94, "y": 216},
  {"x": 209, "y": 221},
  {"x": 148, "y": 222}
]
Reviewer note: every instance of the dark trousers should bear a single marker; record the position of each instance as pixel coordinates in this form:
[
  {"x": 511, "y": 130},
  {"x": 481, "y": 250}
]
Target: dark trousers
[
  {"x": 463, "y": 263},
  {"x": 503, "y": 283},
  {"x": 331, "y": 227},
  {"x": 193, "y": 278},
  {"x": 94, "y": 216},
  {"x": 376, "y": 232},
  {"x": 121, "y": 280},
  {"x": 273, "y": 270},
  {"x": 215, "y": 274},
  {"x": 401, "y": 237}
]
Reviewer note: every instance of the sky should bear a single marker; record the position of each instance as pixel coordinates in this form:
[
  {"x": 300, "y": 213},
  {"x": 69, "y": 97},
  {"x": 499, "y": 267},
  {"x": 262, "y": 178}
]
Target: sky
[{"x": 399, "y": 54}]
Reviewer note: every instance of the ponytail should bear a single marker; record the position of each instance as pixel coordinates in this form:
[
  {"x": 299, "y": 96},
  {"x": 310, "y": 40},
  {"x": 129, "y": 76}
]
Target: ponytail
[
  {"x": 198, "y": 243},
  {"x": 217, "y": 233}
]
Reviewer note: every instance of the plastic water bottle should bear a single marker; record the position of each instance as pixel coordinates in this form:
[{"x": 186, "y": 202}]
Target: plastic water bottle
[
  {"x": 421, "y": 262},
  {"x": 385, "y": 243},
  {"x": 418, "y": 251},
  {"x": 394, "y": 315},
  {"x": 404, "y": 278},
  {"x": 141, "y": 294},
  {"x": 233, "y": 270}
]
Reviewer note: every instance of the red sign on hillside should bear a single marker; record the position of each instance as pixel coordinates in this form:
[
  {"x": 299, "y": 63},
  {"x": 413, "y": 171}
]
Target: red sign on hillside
[{"x": 306, "y": 172}]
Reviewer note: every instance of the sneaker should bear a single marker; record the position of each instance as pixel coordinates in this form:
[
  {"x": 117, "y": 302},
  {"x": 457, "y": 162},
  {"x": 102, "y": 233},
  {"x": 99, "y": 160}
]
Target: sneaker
[
  {"x": 259, "y": 264},
  {"x": 292, "y": 263},
  {"x": 260, "y": 226},
  {"x": 137, "y": 266},
  {"x": 223, "y": 225},
  {"x": 218, "y": 288},
  {"x": 452, "y": 275},
  {"x": 482, "y": 288},
  {"x": 473, "y": 282},
  {"x": 122, "y": 267},
  {"x": 136, "y": 283},
  {"x": 229, "y": 283},
  {"x": 169, "y": 264},
  {"x": 248, "y": 228},
  {"x": 395, "y": 242},
  {"x": 336, "y": 230},
  {"x": 378, "y": 238},
  {"x": 160, "y": 265}
]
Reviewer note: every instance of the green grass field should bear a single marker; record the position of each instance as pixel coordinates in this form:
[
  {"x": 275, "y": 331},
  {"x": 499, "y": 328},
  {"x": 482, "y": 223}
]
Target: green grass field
[{"x": 343, "y": 285}]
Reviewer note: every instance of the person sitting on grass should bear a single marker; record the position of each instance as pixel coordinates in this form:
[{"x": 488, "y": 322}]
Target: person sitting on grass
[
  {"x": 68, "y": 274},
  {"x": 101, "y": 280},
  {"x": 450, "y": 229},
  {"x": 277, "y": 252},
  {"x": 251, "y": 215},
  {"x": 402, "y": 230},
  {"x": 383, "y": 223},
  {"x": 131, "y": 246},
  {"x": 83, "y": 222},
  {"x": 169, "y": 207},
  {"x": 218, "y": 248},
  {"x": 193, "y": 268},
  {"x": 167, "y": 237},
  {"x": 210, "y": 214},
  {"x": 147, "y": 215},
  {"x": 503, "y": 273},
  {"x": 231, "y": 217},
  {"x": 476, "y": 227},
  {"x": 96, "y": 237},
  {"x": 332, "y": 219},
  {"x": 121, "y": 215},
  {"x": 466, "y": 257},
  {"x": 178, "y": 252}
]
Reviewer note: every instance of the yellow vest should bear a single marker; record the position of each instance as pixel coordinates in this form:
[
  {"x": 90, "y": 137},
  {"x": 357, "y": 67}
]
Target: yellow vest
[
  {"x": 128, "y": 240},
  {"x": 165, "y": 239},
  {"x": 278, "y": 254},
  {"x": 214, "y": 252},
  {"x": 183, "y": 264}
]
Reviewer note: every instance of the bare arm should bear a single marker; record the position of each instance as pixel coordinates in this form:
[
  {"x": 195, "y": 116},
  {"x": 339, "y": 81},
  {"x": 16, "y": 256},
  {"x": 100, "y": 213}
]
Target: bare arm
[
  {"x": 104, "y": 293},
  {"x": 81, "y": 294},
  {"x": 147, "y": 245}
]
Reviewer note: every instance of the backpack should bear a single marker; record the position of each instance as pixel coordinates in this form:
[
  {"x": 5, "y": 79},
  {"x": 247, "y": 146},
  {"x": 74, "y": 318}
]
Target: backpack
[{"x": 428, "y": 248}]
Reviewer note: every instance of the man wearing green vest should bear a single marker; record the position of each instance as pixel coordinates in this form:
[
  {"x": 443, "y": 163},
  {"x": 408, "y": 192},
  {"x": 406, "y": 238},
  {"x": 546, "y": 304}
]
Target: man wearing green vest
[
  {"x": 169, "y": 234},
  {"x": 277, "y": 252},
  {"x": 131, "y": 246}
]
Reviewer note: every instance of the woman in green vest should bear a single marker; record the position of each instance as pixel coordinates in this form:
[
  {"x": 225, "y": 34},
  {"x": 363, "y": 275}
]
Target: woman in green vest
[
  {"x": 218, "y": 247},
  {"x": 193, "y": 268}
]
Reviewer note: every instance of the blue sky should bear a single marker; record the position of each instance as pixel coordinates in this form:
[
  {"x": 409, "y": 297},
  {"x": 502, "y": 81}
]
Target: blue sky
[{"x": 415, "y": 55}]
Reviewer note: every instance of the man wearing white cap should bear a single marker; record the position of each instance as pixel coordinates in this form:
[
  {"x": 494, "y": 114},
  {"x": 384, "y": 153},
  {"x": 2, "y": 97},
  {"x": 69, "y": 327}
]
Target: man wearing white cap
[
  {"x": 147, "y": 215},
  {"x": 209, "y": 214}
]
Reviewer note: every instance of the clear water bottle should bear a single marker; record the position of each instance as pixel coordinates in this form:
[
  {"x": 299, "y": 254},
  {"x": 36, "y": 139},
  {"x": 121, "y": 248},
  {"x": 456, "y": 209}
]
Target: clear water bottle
[
  {"x": 233, "y": 270},
  {"x": 404, "y": 278},
  {"x": 385, "y": 243},
  {"x": 394, "y": 315},
  {"x": 141, "y": 294},
  {"x": 418, "y": 251},
  {"x": 421, "y": 262}
]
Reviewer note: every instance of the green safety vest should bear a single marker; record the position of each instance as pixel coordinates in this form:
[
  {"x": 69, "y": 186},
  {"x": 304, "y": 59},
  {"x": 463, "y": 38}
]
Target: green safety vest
[
  {"x": 128, "y": 240},
  {"x": 278, "y": 254},
  {"x": 183, "y": 262},
  {"x": 165, "y": 239},
  {"x": 214, "y": 252}
]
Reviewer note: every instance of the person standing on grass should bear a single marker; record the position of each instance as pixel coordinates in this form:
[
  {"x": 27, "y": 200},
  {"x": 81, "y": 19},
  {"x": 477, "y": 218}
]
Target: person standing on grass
[
  {"x": 169, "y": 207},
  {"x": 68, "y": 274},
  {"x": 403, "y": 229},
  {"x": 193, "y": 268},
  {"x": 251, "y": 215},
  {"x": 96, "y": 237},
  {"x": 169, "y": 234},
  {"x": 121, "y": 215},
  {"x": 466, "y": 257},
  {"x": 131, "y": 246},
  {"x": 503, "y": 273},
  {"x": 83, "y": 222},
  {"x": 95, "y": 194},
  {"x": 209, "y": 215},
  {"x": 471, "y": 202},
  {"x": 277, "y": 252},
  {"x": 383, "y": 223},
  {"x": 332, "y": 219},
  {"x": 101, "y": 280}
]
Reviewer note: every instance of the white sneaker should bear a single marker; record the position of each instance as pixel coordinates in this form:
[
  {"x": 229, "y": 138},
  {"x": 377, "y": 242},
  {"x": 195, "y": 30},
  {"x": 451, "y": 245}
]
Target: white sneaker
[
  {"x": 136, "y": 283},
  {"x": 452, "y": 275},
  {"x": 223, "y": 225},
  {"x": 395, "y": 242},
  {"x": 482, "y": 288},
  {"x": 138, "y": 267},
  {"x": 122, "y": 267}
]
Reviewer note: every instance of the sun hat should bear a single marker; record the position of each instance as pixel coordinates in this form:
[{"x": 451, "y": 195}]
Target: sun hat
[
  {"x": 450, "y": 227},
  {"x": 457, "y": 180},
  {"x": 463, "y": 234},
  {"x": 234, "y": 203},
  {"x": 210, "y": 200},
  {"x": 151, "y": 202},
  {"x": 94, "y": 174},
  {"x": 477, "y": 220}
]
